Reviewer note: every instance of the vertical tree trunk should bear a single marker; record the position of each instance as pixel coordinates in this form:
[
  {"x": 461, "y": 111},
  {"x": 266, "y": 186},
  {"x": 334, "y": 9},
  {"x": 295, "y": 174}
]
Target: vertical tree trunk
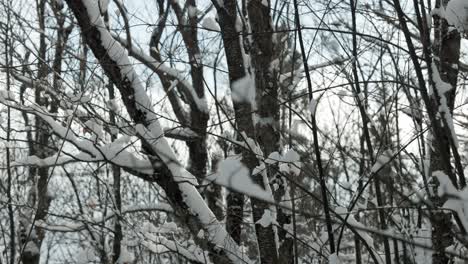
[
  {"x": 265, "y": 64},
  {"x": 265, "y": 133},
  {"x": 447, "y": 49},
  {"x": 233, "y": 47}
]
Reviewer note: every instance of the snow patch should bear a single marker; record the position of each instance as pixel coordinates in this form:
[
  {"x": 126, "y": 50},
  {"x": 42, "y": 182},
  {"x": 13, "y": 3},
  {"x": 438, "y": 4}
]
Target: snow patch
[
  {"x": 210, "y": 24},
  {"x": 192, "y": 11},
  {"x": 243, "y": 90},
  {"x": 312, "y": 106},
  {"x": 289, "y": 162},
  {"x": 267, "y": 219},
  {"x": 443, "y": 87},
  {"x": 457, "y": 200},
  {"x": 456, "y": 14},
  {"x": 234, "y": 175},
  {"x": 382, "y": 160}
]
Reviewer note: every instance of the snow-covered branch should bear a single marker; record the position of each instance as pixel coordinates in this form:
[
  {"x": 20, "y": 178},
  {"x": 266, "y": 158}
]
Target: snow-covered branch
[
  {"x": 179, "y": 184},
  {"x": 187, "y": 89}
]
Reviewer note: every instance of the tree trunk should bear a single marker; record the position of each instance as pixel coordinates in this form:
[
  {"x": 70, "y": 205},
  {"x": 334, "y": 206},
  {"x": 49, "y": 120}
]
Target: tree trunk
[
  {"x": 233, "y": 47},
  {"x": 447, "y": 48},
  {"x": 264, "y": 56}
]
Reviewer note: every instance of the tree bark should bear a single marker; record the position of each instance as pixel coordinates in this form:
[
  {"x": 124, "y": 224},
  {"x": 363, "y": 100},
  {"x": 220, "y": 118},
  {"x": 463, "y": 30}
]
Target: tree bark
[
  {"x": 265, "y": 60},
  {"x": 447, "y": 48},
  {"x": 233, "y": 47}
]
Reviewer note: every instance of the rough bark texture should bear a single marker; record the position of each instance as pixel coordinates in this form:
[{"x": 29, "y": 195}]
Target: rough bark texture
[
  {"x": 265, "y": 132},
  {"x": 263, "y": 54},
  {"x": 243, "y": 110},
  {"x": 447, "y": 49}
]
